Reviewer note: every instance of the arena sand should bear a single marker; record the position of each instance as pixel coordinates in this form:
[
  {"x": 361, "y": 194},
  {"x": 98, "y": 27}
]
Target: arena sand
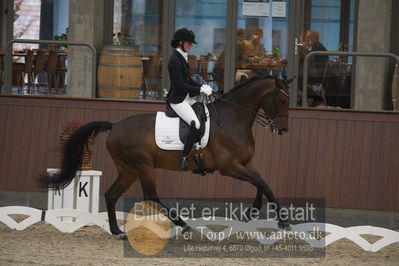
[{"x": 42, "y": 244}]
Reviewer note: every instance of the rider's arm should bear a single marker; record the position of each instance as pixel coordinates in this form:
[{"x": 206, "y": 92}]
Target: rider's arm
[
  {"x": 177, "y": 78},
  {"x": 194, "y": 83}
]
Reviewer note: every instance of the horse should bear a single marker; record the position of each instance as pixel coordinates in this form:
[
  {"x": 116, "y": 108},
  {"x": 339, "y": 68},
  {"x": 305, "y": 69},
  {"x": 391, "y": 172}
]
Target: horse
[{"x": 131, "y": 144}]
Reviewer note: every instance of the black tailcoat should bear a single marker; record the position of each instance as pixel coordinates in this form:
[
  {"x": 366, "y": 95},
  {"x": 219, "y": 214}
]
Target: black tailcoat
[{"x": 181, "y": 82}]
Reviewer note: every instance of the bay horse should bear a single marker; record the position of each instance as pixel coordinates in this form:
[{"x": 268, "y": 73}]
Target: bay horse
[{"x": 231, "y": 146}]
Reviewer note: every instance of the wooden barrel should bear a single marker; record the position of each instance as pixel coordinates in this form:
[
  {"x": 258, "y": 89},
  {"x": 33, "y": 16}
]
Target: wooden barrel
[{"x": 119, "y": 72}]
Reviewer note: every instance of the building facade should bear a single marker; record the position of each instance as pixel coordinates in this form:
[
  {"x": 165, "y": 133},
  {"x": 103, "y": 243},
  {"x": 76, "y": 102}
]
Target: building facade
[{"x": 343, "y": 25}]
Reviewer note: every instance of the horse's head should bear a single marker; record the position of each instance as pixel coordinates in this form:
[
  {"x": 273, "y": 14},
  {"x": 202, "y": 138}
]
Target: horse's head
[{"x": 276, "y": 104}]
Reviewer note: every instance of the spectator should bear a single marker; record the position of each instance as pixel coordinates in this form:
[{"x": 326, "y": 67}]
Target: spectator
[
  {"x": 316, "y": 68},
  {"x": 254, "y": 49},
  {"x": 319, "y": 62},
  {"x": 240, "y": 59}
]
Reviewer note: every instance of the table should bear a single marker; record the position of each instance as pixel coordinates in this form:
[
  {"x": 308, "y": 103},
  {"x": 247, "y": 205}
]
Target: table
[{"x": 269, "y": 69}]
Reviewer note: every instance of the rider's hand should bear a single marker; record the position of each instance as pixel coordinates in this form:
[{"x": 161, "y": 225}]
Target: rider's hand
[{"x": 206, "y": 89}]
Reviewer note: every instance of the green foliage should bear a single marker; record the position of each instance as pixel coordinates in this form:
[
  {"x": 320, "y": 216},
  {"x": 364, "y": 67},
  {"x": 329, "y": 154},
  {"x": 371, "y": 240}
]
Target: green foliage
[
  {"x": 119, "y": 39},
  {"x": 61, "y": 37},
  {"x": 276, "y": 53}
]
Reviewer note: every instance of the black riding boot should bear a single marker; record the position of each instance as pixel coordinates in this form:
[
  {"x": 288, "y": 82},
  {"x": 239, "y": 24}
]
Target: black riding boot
[{"x": 191, "y": 138}]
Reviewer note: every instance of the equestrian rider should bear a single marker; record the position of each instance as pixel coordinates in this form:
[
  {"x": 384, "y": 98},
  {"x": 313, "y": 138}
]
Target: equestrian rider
[{"x": 183, "y": 87}]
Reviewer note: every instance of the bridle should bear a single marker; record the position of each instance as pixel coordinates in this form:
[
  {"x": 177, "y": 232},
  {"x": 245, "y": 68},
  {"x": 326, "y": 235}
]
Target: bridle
[
  {"x": 270, "y": 119},
  {"x": 275, "y": 107},
  {"x": 261, "y": 118}
]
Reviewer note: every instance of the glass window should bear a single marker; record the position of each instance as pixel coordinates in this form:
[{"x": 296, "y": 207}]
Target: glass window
[
  {"x": 351, "y": 24},
  {"x": 139, "y": 23},
  {"x": 330, "y": 77},
  {"x": 35, "y": 68},
  {"x": 26, "y": 22},
  {"x": 36, "y": 19},
  {"x": 262, "y": 38},
  {"x": 207, "y": 19},
  {"x": 326, "y": 20}
]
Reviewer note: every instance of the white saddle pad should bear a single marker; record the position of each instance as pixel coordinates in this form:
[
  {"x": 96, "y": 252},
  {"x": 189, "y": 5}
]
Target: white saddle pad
[{"x": 167, "y": 132}]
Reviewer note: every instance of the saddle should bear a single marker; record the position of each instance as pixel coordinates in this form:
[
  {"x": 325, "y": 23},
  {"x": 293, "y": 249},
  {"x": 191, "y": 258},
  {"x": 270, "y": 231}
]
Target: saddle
[{"x": 199, "y": 110}]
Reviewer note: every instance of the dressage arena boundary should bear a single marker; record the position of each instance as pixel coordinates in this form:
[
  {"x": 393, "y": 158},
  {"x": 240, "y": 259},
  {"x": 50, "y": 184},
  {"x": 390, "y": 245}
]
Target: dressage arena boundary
[{"x": 82, "y": 218}]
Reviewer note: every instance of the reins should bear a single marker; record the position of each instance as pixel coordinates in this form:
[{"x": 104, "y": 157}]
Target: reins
[{"x": 260, "y": 118}]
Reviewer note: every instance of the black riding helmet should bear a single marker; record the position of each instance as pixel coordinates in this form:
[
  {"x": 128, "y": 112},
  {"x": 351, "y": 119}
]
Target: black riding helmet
[{"x": 185, "y": 35}]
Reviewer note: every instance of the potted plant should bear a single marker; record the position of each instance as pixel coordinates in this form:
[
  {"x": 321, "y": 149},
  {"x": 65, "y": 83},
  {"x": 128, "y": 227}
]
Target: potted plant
[
  {"x": 276, "y": 54},
  {"x": 119, "y": 39},
  {"x": 66, "y": 129},
  {"x": 61, "y": 37}
]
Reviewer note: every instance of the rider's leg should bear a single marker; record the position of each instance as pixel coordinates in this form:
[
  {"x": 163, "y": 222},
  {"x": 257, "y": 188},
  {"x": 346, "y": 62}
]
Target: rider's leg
[
  {"x": 185, "y": 111},
  {"x": 190, "y": 100},
  {"x": 192, "y": 137}
]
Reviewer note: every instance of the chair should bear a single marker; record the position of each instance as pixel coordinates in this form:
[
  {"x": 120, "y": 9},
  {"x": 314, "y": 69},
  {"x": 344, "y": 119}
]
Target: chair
[
  {"x": 152, "y": 76},
  {"x": 319, "y": 82},
  {"x": 25, "y": 71},
  {"x": 194, "y": 67},
  {"x": 1, "y": 71},
  {"x": 394, "y": 86},
  {"x": 207, "y": 76},
  {"x": 62, "y": 71},
  {"x": 51, "y": 73},
  {"x": 39, "y": 69},
  {"x": 337, "y": 84}
]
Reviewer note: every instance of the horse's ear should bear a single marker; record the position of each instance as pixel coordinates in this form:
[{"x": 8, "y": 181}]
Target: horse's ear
[{"x": 290, "y": 80}]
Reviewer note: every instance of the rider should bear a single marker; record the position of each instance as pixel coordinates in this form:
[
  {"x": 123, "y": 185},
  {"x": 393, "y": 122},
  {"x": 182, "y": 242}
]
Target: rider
[{"x": 183, "y": 87}]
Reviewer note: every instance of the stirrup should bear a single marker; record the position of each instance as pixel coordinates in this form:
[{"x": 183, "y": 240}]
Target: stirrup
[{"x": 184, "y": 163}]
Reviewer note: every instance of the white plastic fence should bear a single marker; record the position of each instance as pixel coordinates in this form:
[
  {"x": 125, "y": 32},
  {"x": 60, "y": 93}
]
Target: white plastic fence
[{"x": 82, "y": 218}]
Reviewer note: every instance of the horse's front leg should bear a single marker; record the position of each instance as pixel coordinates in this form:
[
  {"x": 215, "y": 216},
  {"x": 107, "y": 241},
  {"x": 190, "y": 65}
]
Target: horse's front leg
[
  {"x": 148, "y": 184},
  {"x": 239, "y": 171}
]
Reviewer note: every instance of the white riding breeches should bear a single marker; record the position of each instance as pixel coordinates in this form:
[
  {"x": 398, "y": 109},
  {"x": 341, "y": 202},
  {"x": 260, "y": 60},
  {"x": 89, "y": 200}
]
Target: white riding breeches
[{"x": 185, "y": 111}]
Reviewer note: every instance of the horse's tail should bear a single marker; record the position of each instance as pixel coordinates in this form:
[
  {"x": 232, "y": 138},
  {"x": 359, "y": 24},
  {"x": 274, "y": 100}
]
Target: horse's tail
[{"x": 72, "y": 154}]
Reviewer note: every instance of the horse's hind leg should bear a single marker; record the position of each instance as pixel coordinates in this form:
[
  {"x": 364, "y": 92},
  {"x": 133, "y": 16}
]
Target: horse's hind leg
[
  {"x": 147, "y": 179},
  {"x": 112, "y": 195}
]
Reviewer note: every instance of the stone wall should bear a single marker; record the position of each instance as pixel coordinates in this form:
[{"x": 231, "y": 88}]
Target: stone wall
[{"x": 373, "y": 35}]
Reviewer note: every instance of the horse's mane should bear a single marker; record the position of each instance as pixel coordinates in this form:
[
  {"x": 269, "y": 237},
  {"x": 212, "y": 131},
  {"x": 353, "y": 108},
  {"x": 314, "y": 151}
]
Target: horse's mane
[{"x": 242, "y": 84}]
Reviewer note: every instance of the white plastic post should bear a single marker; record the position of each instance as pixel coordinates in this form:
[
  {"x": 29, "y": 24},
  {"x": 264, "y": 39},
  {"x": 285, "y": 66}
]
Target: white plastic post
[
  {"x": 81, "y": 194},
  {"x": 67, "y": 200}
]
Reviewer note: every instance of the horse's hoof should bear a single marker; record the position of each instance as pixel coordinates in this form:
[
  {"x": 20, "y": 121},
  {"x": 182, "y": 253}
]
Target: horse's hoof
[
  {"x": 185, "y": 228},
  {"x": 284, "y": 225},
  {"x": 184, "y": 164},
  {"x": 116, "y": 231},
  {"x": 122, "y": 236}
]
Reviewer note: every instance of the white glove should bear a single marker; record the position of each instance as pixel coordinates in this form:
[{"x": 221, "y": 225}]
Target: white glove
[{"x": 206, "y": 89}]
